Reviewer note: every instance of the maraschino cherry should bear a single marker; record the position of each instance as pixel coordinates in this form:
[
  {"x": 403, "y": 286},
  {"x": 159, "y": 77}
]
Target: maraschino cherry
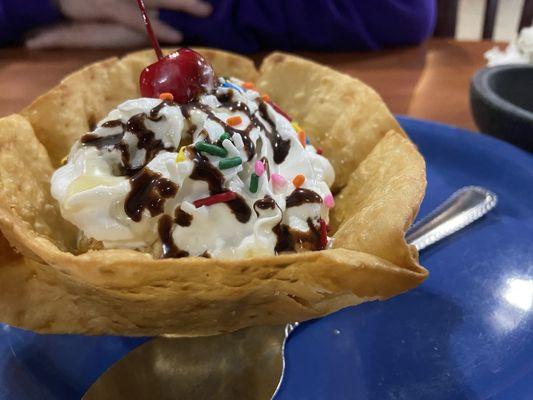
[{"x": 184, "y": 73}]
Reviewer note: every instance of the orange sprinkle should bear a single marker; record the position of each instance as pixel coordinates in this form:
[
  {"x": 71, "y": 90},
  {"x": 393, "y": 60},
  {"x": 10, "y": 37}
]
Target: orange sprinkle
[
  {"x": 233, "y": 121},
  {"x": 298, "y": 180},
  {"x": 166, "y": 96},
  {"x": 265, "y": 97},
  {"x": 248, "y": 85},
  {"x": 301, "y": 137}
]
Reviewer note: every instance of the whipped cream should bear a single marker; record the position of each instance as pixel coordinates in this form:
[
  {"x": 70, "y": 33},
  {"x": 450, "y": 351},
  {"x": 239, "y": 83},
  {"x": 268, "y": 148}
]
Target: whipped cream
[{"x": 226, "y": 176}]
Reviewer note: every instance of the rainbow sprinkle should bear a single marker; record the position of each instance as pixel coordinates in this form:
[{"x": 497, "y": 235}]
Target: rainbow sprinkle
[
  {"x": 279, "y": 110},
  {"x": 278, "y": 180},
  {"x": 237, "y": 139},
  {"x": 323, "y": 234},
  {"x": 224, "y": 136},
  {"x": 166, "y": 96},
  {"x": 229, "y": 162},
  {"x": 181, "y": 155},
  {"x": 296, "y": 126},
  {"x": 234, "y": 121},
  {"x": 298, "y": 180},
  {"x": 259, "y": 168},
  {"x": 302, "y": 138},
  {"x": 232, "y": 86},
  {"x": 329, "y": 201},
  {"x": 230, "y": 147},
  {"x": 211, "y": 149},
  {"x": 214, "y": 199},
  {"x": 254, "y": 183}
]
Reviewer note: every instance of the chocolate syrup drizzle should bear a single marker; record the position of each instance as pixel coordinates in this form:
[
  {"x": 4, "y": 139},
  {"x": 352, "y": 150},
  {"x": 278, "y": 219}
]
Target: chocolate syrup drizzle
[
  {"x": 149, "y": 190},
  {"x": 265, "y": 203},
  {"x": 182, "y": 218},
  {"x": 146, "y": 138},
  {"x": 279, "y": 145},
  {"x": 289, "y": 239},
  {"x": 302, "y": 196},
  {"x": 110, "y": 142},
  {"x": 169, "y": 248}
]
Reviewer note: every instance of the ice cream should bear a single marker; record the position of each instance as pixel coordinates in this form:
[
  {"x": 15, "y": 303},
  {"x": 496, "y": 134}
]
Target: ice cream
[{"x": 226, "y": 175}]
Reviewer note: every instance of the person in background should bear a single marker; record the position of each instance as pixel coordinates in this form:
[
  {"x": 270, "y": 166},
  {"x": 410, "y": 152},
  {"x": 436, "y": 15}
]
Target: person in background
[{"x": 238, "y": 25}]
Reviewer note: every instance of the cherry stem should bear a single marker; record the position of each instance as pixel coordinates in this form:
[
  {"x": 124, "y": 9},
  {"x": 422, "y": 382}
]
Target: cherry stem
[{"x": 149, "y": 30}]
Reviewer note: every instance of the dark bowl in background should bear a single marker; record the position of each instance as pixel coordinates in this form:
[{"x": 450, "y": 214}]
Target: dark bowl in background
[{"x": 501, "y": 99}]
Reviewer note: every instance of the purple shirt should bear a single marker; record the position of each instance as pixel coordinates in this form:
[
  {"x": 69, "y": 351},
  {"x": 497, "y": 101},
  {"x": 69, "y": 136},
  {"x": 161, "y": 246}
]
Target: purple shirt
[{"x": 253, "y": 25}]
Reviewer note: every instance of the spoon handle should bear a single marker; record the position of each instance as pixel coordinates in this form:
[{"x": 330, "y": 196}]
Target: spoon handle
[{"x": 459, "y": 210}]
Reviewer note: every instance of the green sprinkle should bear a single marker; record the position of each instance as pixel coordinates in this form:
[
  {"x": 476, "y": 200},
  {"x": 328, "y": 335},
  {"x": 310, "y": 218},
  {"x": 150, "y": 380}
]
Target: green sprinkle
[
  {"x": 254, "y": 183},
  {"x": 211, "y": 149},
  {"x": 229, "y": 162},
  {"x": 224, "y": 136}
]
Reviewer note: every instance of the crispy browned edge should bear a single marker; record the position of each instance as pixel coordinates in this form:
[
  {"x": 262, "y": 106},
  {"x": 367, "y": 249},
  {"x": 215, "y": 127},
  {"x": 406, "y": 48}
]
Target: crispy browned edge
[{"x": 126, "y": 292}]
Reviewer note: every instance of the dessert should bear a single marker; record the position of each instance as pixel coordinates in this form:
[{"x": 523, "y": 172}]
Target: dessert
[
  {"x": 124, "y": 277},
  {"x": 222, "y": 173},
  {"x": 199, "y": 166}
]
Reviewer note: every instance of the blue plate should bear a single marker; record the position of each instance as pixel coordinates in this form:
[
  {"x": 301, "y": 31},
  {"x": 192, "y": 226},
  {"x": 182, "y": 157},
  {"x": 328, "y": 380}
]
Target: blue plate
[{"x": 466, "y": 333}]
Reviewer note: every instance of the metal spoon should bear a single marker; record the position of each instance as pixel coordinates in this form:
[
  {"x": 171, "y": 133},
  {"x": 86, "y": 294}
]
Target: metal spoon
[
  {"x": 249, "y": 364},
  {"x": 465, "y": 206}
]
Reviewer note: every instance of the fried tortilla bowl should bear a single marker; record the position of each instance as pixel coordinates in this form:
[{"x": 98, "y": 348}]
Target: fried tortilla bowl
[{"x": 46, "y": 285}]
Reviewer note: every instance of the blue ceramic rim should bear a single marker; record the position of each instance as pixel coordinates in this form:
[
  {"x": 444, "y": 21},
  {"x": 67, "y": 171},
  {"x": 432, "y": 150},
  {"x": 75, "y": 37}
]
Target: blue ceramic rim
[{"x": 480, "y": 82}]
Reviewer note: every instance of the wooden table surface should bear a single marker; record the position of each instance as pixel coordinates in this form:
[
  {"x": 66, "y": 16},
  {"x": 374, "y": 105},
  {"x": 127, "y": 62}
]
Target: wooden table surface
[{"x": 430, "y": 81}]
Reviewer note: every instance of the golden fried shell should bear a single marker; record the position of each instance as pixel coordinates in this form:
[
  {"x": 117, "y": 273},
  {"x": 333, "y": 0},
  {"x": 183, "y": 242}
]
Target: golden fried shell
[{"x": 46, "y": 286}]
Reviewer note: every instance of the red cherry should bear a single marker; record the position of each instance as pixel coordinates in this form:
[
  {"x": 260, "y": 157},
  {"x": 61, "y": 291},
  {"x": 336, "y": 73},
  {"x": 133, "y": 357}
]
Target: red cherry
[{"x": 184, "y": 73}]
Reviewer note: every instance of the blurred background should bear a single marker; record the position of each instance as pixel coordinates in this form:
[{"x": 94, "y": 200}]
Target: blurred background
[{"x": 422, "y": 56}]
